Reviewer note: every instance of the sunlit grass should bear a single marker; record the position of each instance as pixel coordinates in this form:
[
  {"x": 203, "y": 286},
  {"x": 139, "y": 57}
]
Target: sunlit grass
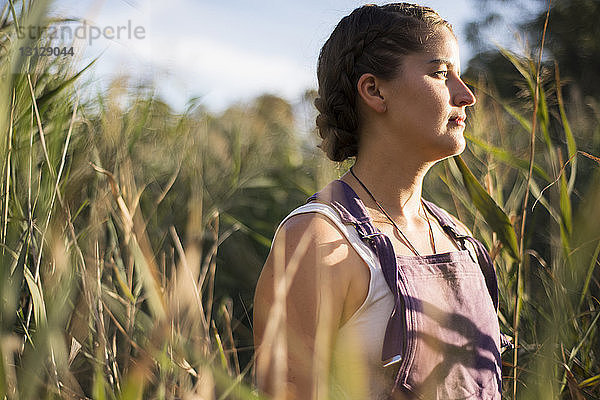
[{"x": 132, "y": 236}]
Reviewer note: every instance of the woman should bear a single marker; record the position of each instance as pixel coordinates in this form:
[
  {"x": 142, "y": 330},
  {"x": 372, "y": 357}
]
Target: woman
[{"x": 335, "y": 316}]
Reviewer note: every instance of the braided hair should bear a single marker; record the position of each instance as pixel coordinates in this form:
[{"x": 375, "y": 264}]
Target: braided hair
[{"x": 372, "y": 39}]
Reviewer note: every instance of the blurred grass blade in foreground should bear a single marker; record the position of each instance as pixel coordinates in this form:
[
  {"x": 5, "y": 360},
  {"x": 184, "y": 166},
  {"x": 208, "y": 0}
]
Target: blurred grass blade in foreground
[{"x": 491, "y": 212}]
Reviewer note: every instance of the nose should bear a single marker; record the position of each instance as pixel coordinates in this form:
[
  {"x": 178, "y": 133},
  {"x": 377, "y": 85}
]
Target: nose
[{"x": 462, "y": 96}]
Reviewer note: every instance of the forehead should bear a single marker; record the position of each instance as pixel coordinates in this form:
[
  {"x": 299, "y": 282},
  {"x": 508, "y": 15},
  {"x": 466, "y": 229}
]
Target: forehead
[{"x": 441, "y": 47}]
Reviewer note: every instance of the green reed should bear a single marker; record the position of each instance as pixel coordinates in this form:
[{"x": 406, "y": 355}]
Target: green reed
[
  {"x": 114, "y": 212},
  {"x": 549, "y": 289},
  {"x": 132, "y": 235}
]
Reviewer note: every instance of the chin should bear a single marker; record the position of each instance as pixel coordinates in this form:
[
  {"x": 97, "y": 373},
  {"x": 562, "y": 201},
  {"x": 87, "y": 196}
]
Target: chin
[
  {"x": 452, "y": 148},
  {"x": 461, "y": 145}
]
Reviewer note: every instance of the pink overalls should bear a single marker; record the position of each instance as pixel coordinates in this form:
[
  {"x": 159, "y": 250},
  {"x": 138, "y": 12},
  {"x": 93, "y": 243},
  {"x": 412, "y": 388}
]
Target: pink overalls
[{"x": 442, "y": 339}]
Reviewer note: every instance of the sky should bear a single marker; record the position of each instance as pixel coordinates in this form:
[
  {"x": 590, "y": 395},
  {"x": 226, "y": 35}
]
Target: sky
[{"x": 221, "y": 52}]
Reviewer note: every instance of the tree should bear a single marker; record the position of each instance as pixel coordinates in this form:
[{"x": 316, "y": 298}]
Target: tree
[{"x": 572, "y": 40}]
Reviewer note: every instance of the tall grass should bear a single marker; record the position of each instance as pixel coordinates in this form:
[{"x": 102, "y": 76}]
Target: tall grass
[
  {"x": 549, "y": 289},
  {"x": 132, "y": 236},
  {"x": 116, "y": 213}
]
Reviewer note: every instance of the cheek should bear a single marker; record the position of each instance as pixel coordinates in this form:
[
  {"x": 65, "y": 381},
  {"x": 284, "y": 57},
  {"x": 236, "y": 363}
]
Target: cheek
[
  {"x": 433, "y": 98},
  {"x": 440, "y": 96},
  {"x": 423, "y": 102}
]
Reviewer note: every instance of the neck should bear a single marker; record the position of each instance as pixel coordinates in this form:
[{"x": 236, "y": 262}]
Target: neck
[{"x": 397, "y": 186}]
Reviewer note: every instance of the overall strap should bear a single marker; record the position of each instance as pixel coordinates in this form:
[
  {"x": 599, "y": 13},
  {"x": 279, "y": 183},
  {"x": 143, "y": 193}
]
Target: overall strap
[
  {"x": 351, "y": 210},
  {"x": 483, "y": 257}
]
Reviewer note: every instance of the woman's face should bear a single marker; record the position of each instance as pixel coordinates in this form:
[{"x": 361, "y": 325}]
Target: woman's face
[{"x": 426, "y": 102}]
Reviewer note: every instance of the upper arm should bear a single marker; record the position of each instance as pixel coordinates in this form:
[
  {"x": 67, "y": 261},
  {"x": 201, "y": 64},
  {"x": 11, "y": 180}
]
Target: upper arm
[{"x": 298, "y": 303}]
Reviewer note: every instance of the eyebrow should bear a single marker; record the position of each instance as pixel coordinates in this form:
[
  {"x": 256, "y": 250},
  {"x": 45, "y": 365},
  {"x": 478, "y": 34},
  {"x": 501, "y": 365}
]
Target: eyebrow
[{"x": 444, "y": 61}]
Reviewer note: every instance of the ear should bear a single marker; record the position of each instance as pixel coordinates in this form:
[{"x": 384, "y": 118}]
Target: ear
[{"x": 368, "y": 90}]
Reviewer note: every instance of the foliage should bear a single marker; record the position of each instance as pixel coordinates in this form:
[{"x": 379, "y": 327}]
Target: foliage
[
  {"x": 558, "y": 284},
  {"x": 117, "y": 214},
  {"x": 132, "y": 236},
  {"x": 571, "y": 40},
  {"x": 551, "y": 296}
]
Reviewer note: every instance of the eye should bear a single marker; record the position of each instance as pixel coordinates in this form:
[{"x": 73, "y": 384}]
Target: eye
[{"x": 441, "y": 74}]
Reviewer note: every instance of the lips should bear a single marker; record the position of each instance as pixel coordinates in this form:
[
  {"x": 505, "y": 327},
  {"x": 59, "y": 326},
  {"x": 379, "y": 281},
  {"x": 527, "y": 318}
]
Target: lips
[{"x": 458, "y": 119}]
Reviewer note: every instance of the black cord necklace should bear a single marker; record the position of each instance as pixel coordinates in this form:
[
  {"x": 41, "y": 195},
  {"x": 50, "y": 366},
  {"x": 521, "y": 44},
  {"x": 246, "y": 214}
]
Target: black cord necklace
[{"x": 406, "y": 241}]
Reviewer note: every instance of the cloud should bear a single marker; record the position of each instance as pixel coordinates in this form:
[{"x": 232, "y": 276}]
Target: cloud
[
  {"x": 221, "y": 71},
  {"x": 224, "y": 52}
]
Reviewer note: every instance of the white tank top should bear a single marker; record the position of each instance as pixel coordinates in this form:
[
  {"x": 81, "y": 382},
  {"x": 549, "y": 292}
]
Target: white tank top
[{"x": 357, "y": 371}]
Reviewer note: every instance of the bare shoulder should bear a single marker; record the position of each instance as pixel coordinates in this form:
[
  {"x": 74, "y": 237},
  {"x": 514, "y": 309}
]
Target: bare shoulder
[
  {"x": 314, "y": 240},
  {"x": 311, "y": 250},
  {"x": 316, "y": 226}
]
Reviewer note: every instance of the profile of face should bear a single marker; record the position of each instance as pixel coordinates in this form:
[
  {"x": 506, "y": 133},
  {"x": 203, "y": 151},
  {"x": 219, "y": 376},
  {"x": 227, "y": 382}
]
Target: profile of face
[
  {"x": 389, "y": 83},
  {"x": 422, "y": 108}
]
